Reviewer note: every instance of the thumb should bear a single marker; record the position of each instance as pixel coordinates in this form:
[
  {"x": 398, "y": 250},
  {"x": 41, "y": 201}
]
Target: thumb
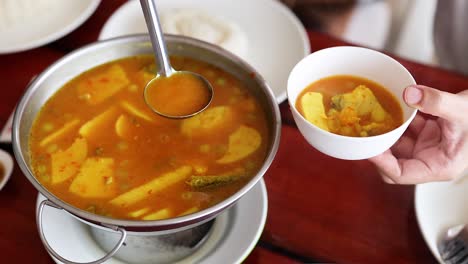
[{"x": 435, "y": 102}]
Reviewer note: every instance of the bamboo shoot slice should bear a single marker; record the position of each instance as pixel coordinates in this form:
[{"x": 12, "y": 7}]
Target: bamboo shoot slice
[
  {"x": 130, "y": 108},
  {"x": 243, "y": 142},
  {"x": 65, "y": 129},
  {"x": 152, "y": 187},
  {"x": 139, "y": 212},
  {"x": 98, "y": 123},
  {"x": 191, "y": 210},
  {"x": 95, "y": 179},
  {"x": 160, "y": 214},
  {"x": 123, "y": 127},
  {"x": 66, "y": 164},
  {"x": 210, "y": 120},
  {"x": 101, "y": 87}
]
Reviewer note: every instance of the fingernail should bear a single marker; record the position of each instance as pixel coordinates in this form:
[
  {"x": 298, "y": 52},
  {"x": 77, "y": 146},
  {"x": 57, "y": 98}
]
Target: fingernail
[{"x": 413, "y": 95}]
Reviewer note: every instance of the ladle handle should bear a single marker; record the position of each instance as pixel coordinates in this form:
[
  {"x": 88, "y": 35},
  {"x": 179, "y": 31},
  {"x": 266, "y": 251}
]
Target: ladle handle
[
  {"x": 56, "y": 255},
  {"x": 157, "y": 37}
]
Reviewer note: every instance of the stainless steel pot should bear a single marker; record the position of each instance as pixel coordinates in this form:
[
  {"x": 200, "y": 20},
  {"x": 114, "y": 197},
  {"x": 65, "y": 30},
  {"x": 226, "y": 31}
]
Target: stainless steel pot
[{"x": 56, "y": 75}]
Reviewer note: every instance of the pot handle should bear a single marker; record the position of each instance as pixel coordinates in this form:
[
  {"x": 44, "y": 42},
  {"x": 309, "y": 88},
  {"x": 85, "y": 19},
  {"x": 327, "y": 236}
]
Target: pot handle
[{"x": 56, "y": 255}]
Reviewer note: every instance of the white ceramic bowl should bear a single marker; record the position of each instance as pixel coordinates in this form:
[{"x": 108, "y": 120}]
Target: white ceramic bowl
[
  {"x": 356, "y": 61},
  {"x": 7, "y": 162}
]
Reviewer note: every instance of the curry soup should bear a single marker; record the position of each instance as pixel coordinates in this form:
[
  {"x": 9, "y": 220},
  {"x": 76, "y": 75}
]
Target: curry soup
[
  {"x": 350, "y": 106},
  {"x": 96, "y": 145}
]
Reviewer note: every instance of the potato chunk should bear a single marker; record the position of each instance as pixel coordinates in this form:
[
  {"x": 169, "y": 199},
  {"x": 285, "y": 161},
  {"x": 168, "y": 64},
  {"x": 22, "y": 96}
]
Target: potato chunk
[
  {"x": 208, "y": 121},
  {"x": 152, "y": 187},
  {"x": 96, "y": 89},
  {"x": 101, "y": 122},
  {"x": 66, "y": 164},
  {"x": 314, "y": 110},
  {"x": 68, "y": 127},
  {"x": 95, "y": 179},
  {"x": 242, "y": 142}
]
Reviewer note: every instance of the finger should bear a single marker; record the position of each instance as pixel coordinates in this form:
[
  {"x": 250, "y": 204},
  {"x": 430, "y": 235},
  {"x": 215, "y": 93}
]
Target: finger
[
  {"x": 401, "y": 171},
  {"x": 387, "y": 180},
  {"x": 429, "y": 136},
  {"x": 435, "y": 166},
  {"x": 391, "y": 170},
  {"x": 463, "y": 93},
  {"x": 431, "y": 162},
  {"x": 387, "y": 165},
  {"x": 417, "y": 125},
  {"x": 438, "y": 103},
  {"x": 404, "y": 147},
  {"x": 376, "y": 161}
]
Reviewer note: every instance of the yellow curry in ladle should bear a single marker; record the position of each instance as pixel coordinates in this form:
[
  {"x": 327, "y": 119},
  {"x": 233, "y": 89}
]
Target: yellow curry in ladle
[
  {"x": 180, "y": 94},
  {"x": 96, "y": 145}
]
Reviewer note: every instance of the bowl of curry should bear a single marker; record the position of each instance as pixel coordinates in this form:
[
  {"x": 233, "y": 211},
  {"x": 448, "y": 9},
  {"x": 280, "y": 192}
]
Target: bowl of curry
[
  {"x": 347, "y": 101},
  {"x": 86, "y": 140}
]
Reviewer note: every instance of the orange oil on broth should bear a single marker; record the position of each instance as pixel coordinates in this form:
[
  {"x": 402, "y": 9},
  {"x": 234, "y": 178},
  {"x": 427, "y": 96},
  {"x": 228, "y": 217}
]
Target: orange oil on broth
[{"x": 150, "y": 145}]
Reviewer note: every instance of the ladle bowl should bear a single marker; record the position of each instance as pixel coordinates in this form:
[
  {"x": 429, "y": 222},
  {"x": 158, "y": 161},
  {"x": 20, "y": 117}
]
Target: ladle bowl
[{"x": 194, "y": 101}]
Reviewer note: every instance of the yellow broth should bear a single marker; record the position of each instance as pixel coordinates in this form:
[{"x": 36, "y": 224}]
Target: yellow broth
[{"x": 96, "y": 145}]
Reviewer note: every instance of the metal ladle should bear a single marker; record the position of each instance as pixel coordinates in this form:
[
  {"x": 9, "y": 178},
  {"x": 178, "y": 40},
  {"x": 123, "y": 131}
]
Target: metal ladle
[{"x": 164, "y": 65}]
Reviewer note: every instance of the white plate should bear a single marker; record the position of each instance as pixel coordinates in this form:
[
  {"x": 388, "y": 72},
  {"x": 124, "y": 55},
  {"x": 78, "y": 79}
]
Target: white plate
[
  {"x": 277, "y": 39},
  {"x": 54, "y": 22},
  {"x": 439, "y": 206},
  {"x": 234, "y": 234}
]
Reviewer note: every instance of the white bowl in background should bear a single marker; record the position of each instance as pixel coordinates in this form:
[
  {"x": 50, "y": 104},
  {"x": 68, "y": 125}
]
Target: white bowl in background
[
  {"x": 25, "y": 25},
  {"x": 361, "y": 62}
]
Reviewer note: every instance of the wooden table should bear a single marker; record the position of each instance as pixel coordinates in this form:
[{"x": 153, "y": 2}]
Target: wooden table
[{"x": 320, "y": 209}]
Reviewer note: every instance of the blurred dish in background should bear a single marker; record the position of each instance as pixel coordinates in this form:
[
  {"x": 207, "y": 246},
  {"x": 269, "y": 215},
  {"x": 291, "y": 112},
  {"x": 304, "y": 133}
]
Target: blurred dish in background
[
  {"x": 450, "y": 38},
  {"x": 414, "y": 36},
  {"x": 369, "y": 25},
  {"x": 27, "y": 24},
  {"x": 207, "y": 27},
  {"x": 276, "y": 38},
  {"x": 439, "y": 206},
  {"x": 362, "y": 22}
]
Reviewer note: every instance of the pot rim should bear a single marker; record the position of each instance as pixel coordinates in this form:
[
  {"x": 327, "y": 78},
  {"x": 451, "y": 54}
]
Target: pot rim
[{"x": 140, "y": 225}]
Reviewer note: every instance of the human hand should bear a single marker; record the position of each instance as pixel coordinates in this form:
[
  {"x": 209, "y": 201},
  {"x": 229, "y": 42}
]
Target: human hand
[{"x": 431, "y": 149}]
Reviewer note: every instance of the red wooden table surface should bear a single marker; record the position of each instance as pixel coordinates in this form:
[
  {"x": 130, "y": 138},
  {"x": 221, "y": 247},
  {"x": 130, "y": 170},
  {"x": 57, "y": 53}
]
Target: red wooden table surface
[{"x": 320, "y": 208}]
